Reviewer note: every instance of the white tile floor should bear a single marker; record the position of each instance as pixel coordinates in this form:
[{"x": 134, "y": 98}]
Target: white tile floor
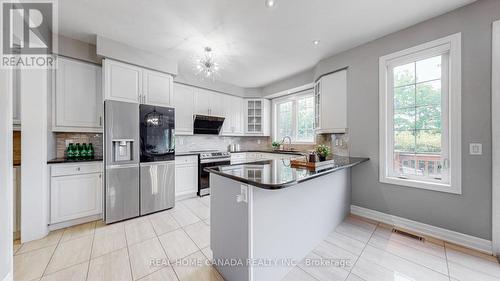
[{"x": 357, "y": 250}]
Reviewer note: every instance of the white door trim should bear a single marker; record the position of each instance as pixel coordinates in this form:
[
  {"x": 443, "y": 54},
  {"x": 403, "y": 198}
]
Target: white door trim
[
  {"x": 6, "y": 180},
  {"x": 495, "y": 128}
]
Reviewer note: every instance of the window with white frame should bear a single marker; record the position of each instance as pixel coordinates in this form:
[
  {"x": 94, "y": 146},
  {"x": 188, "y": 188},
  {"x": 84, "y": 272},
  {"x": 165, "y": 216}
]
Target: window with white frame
[
  {"x": 420, "y": 93},
  {"x": 294, "y": 118}
]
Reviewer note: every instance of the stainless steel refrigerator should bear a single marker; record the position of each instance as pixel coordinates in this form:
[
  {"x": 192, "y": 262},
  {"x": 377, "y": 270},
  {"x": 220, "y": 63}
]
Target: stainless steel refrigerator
[{"x": 133, "y": 188}]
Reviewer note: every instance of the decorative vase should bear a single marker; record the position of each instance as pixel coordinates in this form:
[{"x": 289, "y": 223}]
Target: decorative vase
[{"x": 322, "y": 158}]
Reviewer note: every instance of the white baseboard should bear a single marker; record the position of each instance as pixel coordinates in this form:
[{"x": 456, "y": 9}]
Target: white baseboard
[
  {"x": 461, "y": 239},
  {"x": 65, "y": 224}
]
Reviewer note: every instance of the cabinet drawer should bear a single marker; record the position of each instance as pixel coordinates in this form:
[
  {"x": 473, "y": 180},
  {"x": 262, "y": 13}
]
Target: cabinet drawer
[
  {"x": 238, "y": 156},
  {"x": 191, "y": 159},
  {"x": 75, "y": 169}
]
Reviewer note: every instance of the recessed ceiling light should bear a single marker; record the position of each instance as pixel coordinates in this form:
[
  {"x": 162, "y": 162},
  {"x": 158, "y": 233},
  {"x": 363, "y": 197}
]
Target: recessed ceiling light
[
  {"x": 316, "y": 42},
  {"x": 270, "y": 3}
]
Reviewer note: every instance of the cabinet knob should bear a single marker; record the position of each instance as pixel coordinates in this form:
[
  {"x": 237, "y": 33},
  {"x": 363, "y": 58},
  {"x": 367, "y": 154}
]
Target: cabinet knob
[{"x": 78, "y": 169}]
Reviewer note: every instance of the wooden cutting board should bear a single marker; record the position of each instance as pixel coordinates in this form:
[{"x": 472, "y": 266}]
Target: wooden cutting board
[
  {"x": 16, "y": 145},
  {"x": 311, "y": 165}
]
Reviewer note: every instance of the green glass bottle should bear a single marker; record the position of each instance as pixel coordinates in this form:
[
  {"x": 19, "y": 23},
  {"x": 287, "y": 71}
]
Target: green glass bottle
[
  {"x": 83, "y": 152},
  {"x": 76, "y": 153},
  {"x": 70, "y": 153},
  {"x": 90, "y": 151}
]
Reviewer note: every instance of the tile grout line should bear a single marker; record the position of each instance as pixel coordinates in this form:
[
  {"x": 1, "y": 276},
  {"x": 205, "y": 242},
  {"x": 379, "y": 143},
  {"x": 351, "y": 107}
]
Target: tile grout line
[
  {"x": 468, "y": 267},
  {"x": 362, "y": 251},
  {"x": 414, "y": 248},
  {"x": 312, "y": 276},
  {"x": 405, "y": 259},
  {"x": 128, "y": 252},
  {"x": 91, "y": 250},
  {"x": 410, "y": 246},
  {"x": 52, "y": 256},
  {"x": 447, "y": 263},
  {"x": 164, "y": 251}
]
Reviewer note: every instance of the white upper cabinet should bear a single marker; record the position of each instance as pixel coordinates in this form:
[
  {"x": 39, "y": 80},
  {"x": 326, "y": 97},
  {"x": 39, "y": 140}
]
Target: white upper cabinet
[
  {"x": 122, "y": 82},
  {"x": 202, "y": 101},
  {"x": 233, "y": 108},
  {"x": 331, "y": 103},
  {"x": 129, "y": 83},
  {"x": 189, "y": 100},
  {"x": 257, "y": 117},
  {"x": 158, "y": 88},
  {"x": 77, "y": 99},
  {"x": 184, "y": 109},
  {"x": 209, "y": 102}
]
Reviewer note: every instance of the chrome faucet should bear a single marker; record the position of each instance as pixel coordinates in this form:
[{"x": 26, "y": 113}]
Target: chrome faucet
[{"x": 289, "y": 142}]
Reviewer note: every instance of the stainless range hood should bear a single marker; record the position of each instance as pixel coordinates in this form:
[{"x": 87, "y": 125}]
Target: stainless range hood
[{"x": 207, "y": 125}]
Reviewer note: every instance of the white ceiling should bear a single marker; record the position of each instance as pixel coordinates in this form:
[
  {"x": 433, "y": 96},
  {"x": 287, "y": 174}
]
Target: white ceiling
[{"x": 255, "y": 45}]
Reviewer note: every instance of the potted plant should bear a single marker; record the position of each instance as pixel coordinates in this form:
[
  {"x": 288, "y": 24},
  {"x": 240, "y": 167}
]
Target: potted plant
[
  {"x": 276, "y": 145},
  {"x": 323, "y": 151}
]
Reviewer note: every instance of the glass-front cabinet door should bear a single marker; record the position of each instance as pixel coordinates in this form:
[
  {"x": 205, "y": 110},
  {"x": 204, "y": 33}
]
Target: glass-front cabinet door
[
  {"x": 254, "y": 116},
  {"x": 317, "y": 104}
]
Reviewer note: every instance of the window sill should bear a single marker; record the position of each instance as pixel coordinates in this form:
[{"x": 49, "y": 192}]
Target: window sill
[{"x": 447, "y": 188}]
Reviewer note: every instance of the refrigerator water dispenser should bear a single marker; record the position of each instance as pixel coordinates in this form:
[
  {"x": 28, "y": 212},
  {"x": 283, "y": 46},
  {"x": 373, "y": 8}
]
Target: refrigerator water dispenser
[{"x": 122, "y": 150}]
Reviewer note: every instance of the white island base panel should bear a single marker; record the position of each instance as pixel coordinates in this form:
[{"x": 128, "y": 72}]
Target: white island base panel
[{"x": 281, "y": 225}]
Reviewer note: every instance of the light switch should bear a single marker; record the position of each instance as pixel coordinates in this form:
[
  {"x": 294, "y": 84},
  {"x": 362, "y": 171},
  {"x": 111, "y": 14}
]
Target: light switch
[{"x": 475, "y": 148}]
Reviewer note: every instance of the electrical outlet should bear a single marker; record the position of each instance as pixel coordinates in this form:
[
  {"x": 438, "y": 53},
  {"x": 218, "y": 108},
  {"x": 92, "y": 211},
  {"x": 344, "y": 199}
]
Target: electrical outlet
[{"x": 475, "y": 148}]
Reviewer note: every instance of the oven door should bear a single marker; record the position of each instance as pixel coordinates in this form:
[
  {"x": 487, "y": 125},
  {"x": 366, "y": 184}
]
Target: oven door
[{"x": 204, "y": 178}]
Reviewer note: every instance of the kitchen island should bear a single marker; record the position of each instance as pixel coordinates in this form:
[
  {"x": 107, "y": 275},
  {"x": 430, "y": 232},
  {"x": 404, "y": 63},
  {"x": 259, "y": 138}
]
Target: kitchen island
[{"x": 267, "y": 216}]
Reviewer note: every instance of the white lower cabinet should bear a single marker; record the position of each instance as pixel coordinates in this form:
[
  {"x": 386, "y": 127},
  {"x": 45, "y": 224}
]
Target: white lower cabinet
[
  {"x": 75, "y": 191},
  {"x": 242, "y": 157},
  {"x": 186, "y": 176}
]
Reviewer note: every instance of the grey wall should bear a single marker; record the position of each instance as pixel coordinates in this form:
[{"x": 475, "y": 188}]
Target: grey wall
[
  {"x": 294, "y": 81},
  {"x": 77, "y": 49},
  {"x": 469, "y": 213},
  {"x": 119, "y": 51},
  {"x": 189, "y": 78}
]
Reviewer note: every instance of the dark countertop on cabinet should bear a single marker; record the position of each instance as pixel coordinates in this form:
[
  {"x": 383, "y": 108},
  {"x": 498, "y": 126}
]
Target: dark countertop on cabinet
[
  {"x": 64, "y": 160},
  {"x": 278, "y": 174},
  {"x": 293, "y": 152}
]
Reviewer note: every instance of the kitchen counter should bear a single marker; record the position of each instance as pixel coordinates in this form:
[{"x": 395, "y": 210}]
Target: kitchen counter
[
  {"x": 64, "y": 160},
  {"x": 293, "y": 152},
  {"x": 278, "y": 174},
  {"x": 268, "y": 211}
]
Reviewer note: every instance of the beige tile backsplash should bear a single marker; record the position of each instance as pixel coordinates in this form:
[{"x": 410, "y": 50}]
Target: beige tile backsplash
[
  {"x": 65, "y": 138},
  {"x": 338, "y": 142}
]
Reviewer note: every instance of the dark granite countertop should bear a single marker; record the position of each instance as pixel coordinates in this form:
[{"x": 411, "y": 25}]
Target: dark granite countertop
[
  {"x": 278, "y": 174},
  {"x": 64, "y": 160},
  {"x": 294, "y": 152}
]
